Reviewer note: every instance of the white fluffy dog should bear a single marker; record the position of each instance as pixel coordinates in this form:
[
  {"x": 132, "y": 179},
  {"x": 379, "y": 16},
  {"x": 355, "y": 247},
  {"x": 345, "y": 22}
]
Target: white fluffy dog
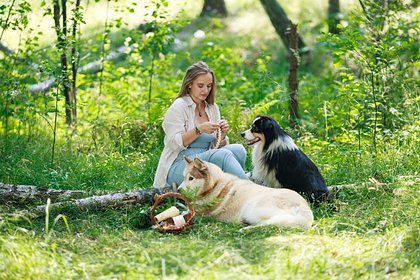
[{"x": 231, "y": 199}]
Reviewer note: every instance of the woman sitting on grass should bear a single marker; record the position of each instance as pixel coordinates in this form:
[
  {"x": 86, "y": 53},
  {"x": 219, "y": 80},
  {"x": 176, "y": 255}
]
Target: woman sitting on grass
[{"x": 191, "y": 124}]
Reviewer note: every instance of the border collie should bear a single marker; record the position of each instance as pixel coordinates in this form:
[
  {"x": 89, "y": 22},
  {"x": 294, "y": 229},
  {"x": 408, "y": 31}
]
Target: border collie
[{"x": 279, "y": 163}]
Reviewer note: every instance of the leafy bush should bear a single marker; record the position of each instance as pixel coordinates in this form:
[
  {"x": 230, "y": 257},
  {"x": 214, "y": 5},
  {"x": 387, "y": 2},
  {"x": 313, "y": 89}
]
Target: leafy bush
[{"x": 375, "y": 59}]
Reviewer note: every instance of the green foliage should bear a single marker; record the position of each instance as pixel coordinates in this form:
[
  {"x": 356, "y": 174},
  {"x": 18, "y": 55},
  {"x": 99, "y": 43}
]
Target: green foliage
[
  {"x": 14, "y": 16},
  {"x": 120, "y": 108},
  {"x": 375, "y": 55}
]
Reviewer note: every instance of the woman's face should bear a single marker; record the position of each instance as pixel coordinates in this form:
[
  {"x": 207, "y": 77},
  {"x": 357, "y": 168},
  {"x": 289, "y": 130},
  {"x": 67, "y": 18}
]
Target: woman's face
[{"x": 200, "y": 88}]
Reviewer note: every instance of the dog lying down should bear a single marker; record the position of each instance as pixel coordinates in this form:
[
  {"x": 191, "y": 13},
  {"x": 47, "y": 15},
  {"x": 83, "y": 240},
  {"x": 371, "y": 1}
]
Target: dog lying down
[{"x": 231, "y": 199}]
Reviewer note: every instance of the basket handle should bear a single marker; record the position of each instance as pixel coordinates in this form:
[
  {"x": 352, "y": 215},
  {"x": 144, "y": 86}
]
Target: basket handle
[{"x": 162, "y": 197}]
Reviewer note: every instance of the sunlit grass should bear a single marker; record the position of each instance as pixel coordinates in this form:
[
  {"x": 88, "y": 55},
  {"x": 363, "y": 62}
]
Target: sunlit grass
[{"x": 341, "y": 245}]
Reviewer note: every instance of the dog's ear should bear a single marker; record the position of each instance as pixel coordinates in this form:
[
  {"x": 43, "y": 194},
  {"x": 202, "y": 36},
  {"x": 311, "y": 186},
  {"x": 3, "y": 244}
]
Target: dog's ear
[
  {"x": 187, "y": 159},
  {"x": 199, "y": 164}
]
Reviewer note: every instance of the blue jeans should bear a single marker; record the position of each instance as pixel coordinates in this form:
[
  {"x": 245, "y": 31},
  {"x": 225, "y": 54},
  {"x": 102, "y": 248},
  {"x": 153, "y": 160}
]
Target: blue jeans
[{"x": 230, "y": 158}]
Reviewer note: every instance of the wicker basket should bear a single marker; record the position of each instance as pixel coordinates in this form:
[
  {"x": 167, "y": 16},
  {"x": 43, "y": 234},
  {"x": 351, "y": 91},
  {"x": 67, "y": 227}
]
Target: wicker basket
[{"x": 168, "y": 226}]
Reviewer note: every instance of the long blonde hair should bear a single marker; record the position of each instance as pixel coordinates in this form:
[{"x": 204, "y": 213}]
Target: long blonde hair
[{"x": 193, "y": 71}]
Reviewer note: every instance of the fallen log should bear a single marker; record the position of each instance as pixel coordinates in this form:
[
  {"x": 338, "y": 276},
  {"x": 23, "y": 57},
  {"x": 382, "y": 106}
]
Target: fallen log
[
  {"x": 9, "y": 52},
  {"x": 372, "y": 183},
  {"x": 116, "y": 200},
  {"x": 24, "y": 193},
  {"x": 6, "y": 50},
  {"x": 113, "y": 200},
  {"x": 92, "y": 67}
]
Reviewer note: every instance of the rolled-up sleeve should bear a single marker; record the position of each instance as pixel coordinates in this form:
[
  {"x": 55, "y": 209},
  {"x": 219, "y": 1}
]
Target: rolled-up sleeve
[{"x": 174, "y": 125}]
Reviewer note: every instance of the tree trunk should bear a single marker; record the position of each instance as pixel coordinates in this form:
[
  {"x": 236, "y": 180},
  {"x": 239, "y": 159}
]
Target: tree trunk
[
  {"x": 109, "y": 200},
  {"x": 61, "y": 30},
  {"x": 74, "y": 62},
  {"x": 293, "y": 75},
  {"x": 214, "y": 7},
  {"x": 333, "y": 16},
  {"x": 25, "y": 194},
  {"x": 281, "y": 22}
]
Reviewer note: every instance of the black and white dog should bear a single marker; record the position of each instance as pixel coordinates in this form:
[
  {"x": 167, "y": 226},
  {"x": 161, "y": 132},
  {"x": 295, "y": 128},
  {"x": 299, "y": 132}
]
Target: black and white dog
[{"x": 279, "y": 163}]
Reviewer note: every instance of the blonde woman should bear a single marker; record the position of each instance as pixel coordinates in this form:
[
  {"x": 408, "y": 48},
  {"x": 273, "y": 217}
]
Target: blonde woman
[{"x": 191, "y": 125}]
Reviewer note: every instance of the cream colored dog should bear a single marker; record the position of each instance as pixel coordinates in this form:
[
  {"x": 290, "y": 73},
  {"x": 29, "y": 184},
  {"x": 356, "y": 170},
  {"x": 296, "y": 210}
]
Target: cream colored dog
[{"x": 231, "y": 199}]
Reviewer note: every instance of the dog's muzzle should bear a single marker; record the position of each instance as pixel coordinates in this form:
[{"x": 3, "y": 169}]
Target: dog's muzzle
[{"x": 249, "y": 137}]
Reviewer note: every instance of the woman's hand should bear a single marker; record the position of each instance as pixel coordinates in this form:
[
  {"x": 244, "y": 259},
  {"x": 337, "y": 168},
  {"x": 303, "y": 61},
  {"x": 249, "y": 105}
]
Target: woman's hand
[
  {"x": 224, "y": 126},
  {"x": 208, "y": 127}
]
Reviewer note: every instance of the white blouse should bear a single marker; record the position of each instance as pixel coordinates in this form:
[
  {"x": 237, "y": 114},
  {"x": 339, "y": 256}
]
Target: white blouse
[{"x": 179, "y": 119}]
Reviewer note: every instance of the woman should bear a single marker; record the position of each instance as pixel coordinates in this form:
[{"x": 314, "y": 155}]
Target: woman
[{"x": 191, "y": 124}]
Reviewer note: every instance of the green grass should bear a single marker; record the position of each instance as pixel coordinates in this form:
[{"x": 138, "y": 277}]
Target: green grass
[
  {"x": 373, "y": 235},
  {"x": 30, "y": 164}
]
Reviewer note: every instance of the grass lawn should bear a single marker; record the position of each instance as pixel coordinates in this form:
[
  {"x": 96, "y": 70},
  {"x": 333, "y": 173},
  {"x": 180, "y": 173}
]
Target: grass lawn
[{"x": 374, "y": 235}]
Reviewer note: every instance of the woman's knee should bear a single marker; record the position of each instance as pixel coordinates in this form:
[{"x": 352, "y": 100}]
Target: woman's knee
[
  {"x": 221, "y": 156},
  {"x": 238, "y": 151},
  {"x": 228, "y": 162},
  {"x": 175, "y": 174},
  {"x": 175, "y": 178}
]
